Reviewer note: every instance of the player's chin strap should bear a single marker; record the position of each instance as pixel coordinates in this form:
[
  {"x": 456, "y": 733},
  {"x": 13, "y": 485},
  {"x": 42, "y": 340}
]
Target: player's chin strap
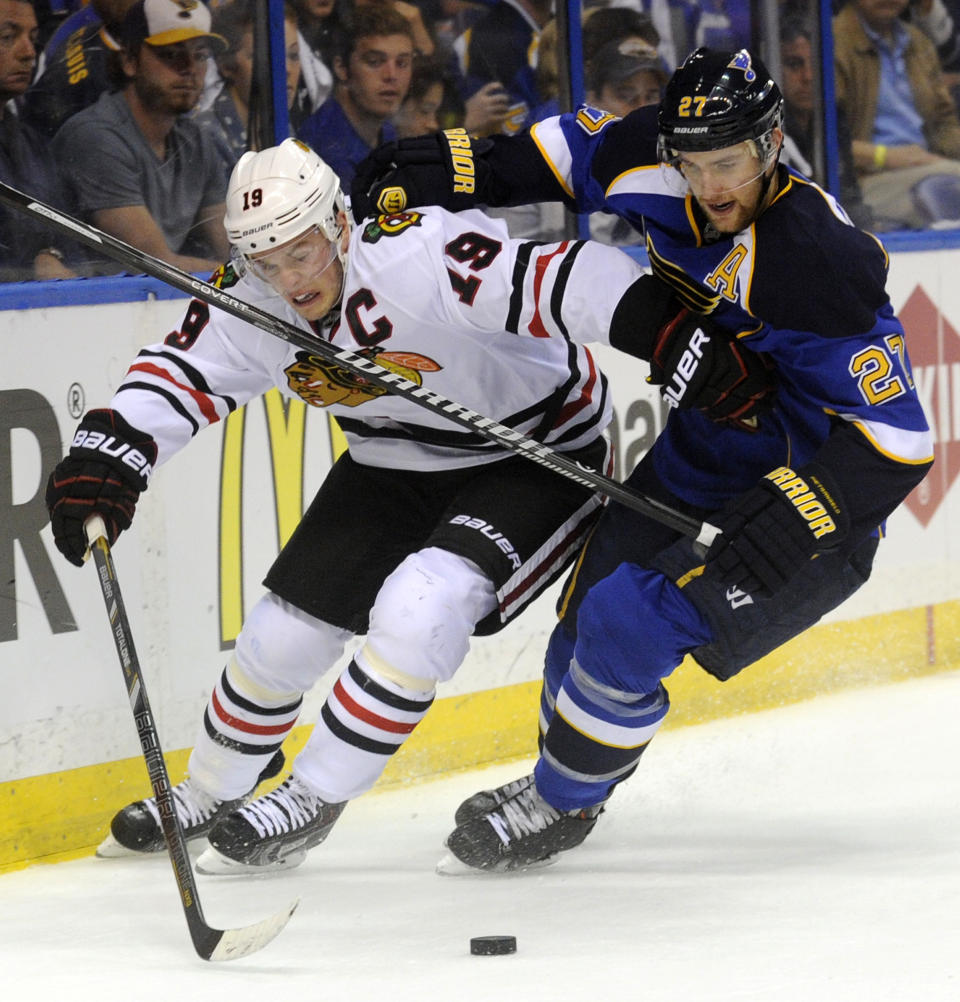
[
  {"x": 703, "y": 533},
  {"x": 765, "y": 186},
  {"x": 769, "y": 173}
]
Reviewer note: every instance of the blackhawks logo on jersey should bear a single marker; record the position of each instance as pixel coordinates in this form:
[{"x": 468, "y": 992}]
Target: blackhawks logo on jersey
[
  {"x": 225, "y": 276},
  {"x": 389, "y": 224},
  {"x": 322, "y": 383}
]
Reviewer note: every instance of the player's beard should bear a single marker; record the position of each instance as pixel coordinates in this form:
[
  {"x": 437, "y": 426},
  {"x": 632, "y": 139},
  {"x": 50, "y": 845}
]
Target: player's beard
[{"x": 746, "y": 212}]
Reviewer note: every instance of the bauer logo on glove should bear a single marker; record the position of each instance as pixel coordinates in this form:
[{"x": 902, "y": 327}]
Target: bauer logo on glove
[
  {"x": 686, "y": 369},
  {"x": 108, "y": 466},
  {"x": 696, "y": 363},
  {"x": 111, "y": 447},
  {"x": 699, "y": 365}
]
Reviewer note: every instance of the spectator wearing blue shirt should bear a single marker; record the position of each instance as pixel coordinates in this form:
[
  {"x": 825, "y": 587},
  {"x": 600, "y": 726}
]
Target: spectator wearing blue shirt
[
  {"x": 903, "y": 122},
  {"x": 372, "y": 64}
]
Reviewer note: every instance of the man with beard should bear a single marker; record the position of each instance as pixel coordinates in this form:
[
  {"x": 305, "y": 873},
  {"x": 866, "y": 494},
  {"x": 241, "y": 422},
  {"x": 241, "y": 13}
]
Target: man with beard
[
  {"x": 800, "y": 495},
  {"x": 140, "y": 168}
]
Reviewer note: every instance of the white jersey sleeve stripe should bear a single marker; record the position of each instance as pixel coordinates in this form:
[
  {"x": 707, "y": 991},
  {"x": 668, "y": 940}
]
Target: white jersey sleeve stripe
[
  {"x": 585, "y": 399},
  {"x": 189, "y": 372},
  {"x": 203, "y": 401},
  {"x": 536, "y": 326},
  {"x": 171, "y": 398}
]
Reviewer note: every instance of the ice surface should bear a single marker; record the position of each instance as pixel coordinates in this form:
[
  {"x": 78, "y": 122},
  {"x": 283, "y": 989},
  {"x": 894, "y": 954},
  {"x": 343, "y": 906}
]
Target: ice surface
[{"x": 807, "y": 853}]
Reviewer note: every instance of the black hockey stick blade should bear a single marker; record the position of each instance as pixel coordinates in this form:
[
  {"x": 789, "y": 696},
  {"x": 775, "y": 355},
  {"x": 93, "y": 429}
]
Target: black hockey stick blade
[
  {"x": 210, "y": 943},
  {"x": 703, "y": 533}
]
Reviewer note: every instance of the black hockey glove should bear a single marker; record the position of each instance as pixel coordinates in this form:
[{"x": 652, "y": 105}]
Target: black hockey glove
[
  {"x": 769, "y": 533},
  {"x": 437, "y": 169},
  {"x": 696, "y": 364},
  {"x": 108, "y": 465}
]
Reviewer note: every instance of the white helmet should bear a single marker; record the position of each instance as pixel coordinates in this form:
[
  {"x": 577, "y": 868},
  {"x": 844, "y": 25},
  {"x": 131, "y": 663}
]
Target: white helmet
[{"x": 278, "y": 194}]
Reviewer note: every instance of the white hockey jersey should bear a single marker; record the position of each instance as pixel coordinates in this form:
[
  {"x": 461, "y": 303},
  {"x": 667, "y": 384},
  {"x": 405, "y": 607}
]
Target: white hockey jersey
[{"x": 450, "y": 302}]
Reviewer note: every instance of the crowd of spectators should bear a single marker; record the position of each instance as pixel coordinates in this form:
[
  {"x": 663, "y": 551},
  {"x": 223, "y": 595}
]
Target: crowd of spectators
[{"x": 131, "y": 113}]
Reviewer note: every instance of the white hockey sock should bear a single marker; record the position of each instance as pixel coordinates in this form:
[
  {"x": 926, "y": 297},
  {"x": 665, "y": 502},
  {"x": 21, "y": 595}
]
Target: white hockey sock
[
  {"x": 363, "y": 722},
  {"x": 243, "y": 726}
]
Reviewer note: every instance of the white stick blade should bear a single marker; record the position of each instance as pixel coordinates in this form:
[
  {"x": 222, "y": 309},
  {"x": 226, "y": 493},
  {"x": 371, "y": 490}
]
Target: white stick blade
[{"x": 237, "y": 943}]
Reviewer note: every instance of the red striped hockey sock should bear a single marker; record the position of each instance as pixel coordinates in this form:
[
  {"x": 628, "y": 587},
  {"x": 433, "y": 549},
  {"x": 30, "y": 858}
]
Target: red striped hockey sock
[
  {"x": 364, "y": 720},
  {"x": 241, "y": 733}
]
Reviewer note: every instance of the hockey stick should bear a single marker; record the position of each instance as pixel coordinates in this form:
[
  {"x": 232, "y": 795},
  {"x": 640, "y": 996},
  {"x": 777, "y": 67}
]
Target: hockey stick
[
  {"x": 210, "y": 943},
  {"x": 702, "y": 532}
]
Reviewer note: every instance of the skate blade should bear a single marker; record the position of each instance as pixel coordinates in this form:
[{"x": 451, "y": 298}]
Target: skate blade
[
  {"x": 450, "y": 866},
  {"x": 211, "y": 862}
]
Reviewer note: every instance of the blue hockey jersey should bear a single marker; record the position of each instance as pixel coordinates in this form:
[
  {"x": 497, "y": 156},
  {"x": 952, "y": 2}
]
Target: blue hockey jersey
[{"x": 801, "y": 284}]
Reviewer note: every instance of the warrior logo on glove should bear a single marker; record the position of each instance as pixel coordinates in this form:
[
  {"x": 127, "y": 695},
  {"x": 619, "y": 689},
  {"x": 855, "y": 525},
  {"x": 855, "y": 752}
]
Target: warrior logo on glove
[
  {"x": 805, "y": 501},
  {"x": 461, "y": 156},
  {"x": 392, "y": 200},
  {"x": 441, "y": 168},
  {"x": 770, "y": 533}
]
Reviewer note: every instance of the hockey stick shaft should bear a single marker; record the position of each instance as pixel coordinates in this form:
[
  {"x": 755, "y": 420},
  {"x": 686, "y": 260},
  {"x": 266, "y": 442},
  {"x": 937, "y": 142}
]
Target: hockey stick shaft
[
  {"x": 702, "y": 532},
  {"x": 210, "y": 943}
]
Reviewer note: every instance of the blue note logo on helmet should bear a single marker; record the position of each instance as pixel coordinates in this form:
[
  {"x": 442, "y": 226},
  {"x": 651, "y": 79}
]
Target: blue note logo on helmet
[
  {"x": 718, "y": 99},
  {"x": 742, "y": 60}
]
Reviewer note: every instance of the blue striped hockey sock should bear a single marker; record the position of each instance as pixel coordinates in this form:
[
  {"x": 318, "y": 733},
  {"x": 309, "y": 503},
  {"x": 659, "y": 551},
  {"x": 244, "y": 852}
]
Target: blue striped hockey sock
[{"x": 595, "y": 739}]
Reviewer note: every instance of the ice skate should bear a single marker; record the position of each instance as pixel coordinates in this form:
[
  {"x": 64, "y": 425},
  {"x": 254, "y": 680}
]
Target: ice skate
[
  {"x": 136, "y": 829},
  {"x": 270, "y": 833},
  {"x": 489, "y": 800},
  {"x": 521, "y": 833}
]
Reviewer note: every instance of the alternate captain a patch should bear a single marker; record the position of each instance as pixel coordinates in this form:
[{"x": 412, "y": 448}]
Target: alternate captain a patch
[{"x": 322, "y": 383}]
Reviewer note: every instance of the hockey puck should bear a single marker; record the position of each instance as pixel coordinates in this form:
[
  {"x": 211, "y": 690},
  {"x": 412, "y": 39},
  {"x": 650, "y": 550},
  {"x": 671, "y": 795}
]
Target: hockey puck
[{"x": 493, "y": 946}]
